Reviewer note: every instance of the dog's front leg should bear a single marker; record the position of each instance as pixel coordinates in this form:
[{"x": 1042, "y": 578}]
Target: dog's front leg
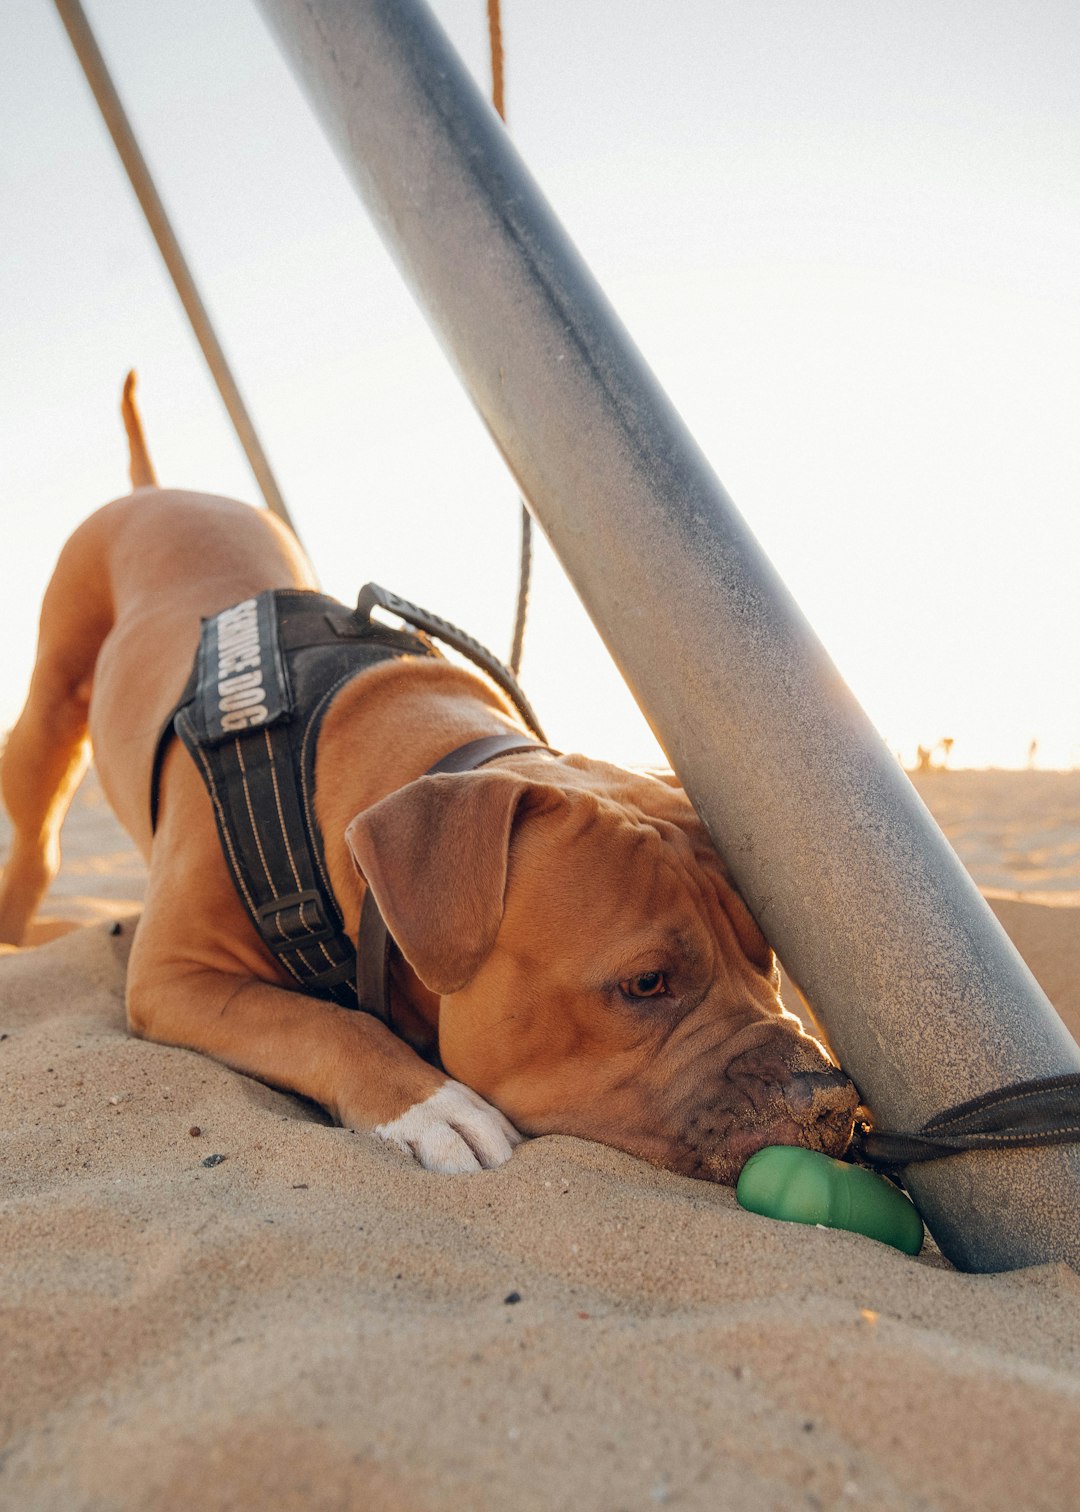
[{"x": 349, "y": 1062}]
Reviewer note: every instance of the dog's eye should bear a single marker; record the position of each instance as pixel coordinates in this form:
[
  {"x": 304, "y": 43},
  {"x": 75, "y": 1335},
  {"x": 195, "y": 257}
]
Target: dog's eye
[{"x": 649, "y": 984}]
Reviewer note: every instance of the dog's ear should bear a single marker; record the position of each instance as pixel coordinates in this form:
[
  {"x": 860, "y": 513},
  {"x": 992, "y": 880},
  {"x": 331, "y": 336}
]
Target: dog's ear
[{"x": 435, "y": 855}]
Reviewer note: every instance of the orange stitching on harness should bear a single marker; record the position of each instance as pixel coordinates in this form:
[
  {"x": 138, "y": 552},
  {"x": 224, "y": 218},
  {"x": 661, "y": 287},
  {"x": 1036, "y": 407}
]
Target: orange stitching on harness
[
  {"x": 306, "y": 797},
  {"x": 221, "y": 815},
  {"x": 223, "y": 830},
  {"x": 281, "y": 821},
  {"x": 251, "y": 814}
]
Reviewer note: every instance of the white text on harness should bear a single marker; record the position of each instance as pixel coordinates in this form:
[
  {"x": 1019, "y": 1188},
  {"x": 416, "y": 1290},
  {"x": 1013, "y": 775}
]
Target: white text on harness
[{"x": 241, "y": 691}]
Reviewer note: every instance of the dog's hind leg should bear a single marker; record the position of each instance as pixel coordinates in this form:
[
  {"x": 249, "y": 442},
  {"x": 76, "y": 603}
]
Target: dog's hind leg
[{"x": 48, "y": 750}]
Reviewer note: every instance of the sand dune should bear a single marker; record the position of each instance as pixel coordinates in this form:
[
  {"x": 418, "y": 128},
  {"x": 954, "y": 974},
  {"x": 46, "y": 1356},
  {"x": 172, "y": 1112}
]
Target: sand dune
[
  {"x": 313, "y": 1322},
  {"x": 1016, "y": 832}
]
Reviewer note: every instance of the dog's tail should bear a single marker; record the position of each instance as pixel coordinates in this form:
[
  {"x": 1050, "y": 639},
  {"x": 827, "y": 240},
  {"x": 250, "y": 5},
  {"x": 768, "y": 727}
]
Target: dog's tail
[{"x": 142, "y": 469}]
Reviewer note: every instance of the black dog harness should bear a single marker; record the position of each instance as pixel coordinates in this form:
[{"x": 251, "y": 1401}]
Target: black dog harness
[{"x": 265, "y": 673}]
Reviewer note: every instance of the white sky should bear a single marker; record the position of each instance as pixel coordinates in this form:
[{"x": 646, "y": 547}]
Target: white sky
[{"x": 845, "y": 233}]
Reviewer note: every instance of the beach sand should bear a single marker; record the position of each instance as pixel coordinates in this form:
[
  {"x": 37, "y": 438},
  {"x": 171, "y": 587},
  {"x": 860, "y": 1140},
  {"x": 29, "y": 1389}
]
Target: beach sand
[{"x": 313, "y": 1322}]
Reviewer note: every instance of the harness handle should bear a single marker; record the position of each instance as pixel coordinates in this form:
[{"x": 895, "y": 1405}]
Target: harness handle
[{"x": 374, "y": 597}]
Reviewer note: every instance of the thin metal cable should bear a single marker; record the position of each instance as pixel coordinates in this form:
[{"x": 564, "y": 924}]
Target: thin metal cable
[
  {"x": 524, "y": 577},
  {"x": 498, "y": 99},
  {"x": 127, "y": 146}
]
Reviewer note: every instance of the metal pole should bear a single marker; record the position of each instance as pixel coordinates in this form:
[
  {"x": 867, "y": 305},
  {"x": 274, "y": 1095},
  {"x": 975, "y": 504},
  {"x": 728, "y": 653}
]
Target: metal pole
[
  {"x": 920, "y": 991},
  {"x": 97, "y": 76}
]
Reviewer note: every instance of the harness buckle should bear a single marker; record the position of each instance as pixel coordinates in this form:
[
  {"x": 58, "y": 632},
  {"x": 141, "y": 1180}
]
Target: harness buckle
[{"x": 295, "y": 919}]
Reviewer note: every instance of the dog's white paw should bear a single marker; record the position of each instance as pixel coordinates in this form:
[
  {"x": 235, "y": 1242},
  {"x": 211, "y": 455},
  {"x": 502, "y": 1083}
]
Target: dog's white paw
[{"x": 452, "y": 1131}]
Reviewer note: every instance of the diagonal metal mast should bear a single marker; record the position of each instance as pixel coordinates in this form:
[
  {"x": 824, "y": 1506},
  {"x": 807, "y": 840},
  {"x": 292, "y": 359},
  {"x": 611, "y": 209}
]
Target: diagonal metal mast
[{"x": 922, "y": 994}]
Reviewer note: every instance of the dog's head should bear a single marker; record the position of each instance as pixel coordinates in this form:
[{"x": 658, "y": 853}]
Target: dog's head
[{"x": 598, "y": 973}]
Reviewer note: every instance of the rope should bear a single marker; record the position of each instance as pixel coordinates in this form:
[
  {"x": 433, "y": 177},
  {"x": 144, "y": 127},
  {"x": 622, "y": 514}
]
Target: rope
[
  {"x": 498, "y": 99},
  {"x": 1023, "y": 1115},
  {"x": 524, "y": 578}
]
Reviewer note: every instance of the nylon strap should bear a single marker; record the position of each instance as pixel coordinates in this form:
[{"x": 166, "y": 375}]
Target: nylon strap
[
  {"x": 265, "y": 673},
  {"x": 1023, "y": 1115}
]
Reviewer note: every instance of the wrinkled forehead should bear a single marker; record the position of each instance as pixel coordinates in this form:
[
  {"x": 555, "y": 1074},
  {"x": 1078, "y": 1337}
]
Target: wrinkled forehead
[
  {"x": 638, "y": 796},
  {"x": 625, "y": 847},
  {"x": 589, "y": 858},
  {"x": 654, "y": 792}
]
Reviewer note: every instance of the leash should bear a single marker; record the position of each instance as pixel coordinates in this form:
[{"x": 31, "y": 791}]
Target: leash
[{"x": 1023, "y": 1115}]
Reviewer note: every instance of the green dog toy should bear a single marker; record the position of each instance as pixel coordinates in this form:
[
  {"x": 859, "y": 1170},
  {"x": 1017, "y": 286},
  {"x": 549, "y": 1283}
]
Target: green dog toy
[{"x": 803, "y": 1186}]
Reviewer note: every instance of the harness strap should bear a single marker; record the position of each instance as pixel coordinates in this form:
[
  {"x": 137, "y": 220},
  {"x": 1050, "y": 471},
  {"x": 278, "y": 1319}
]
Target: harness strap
[
  {"x": 373, "y": 941},
  {"x": 1023, "y": 1115},
  {"x": 266, "y": 672}
]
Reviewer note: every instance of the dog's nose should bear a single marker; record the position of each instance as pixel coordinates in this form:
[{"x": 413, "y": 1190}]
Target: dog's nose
[
  {"x": 809, "y": 1091},
  {"x": 823, "y": 1103}
]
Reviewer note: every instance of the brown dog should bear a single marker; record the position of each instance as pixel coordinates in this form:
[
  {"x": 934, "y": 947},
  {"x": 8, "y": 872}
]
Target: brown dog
[{"x": 569, "y": 950}]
